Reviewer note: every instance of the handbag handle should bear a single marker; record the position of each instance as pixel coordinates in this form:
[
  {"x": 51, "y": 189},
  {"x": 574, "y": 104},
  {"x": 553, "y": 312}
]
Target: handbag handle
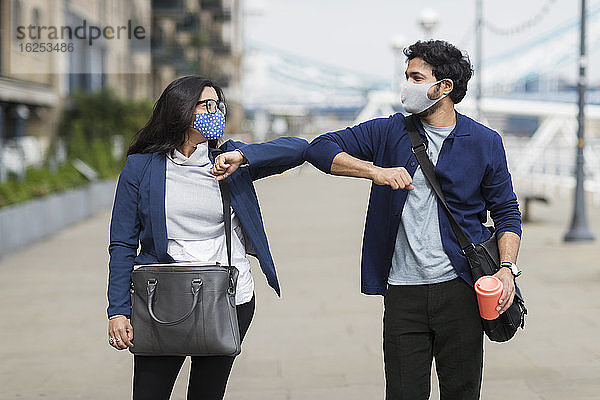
[{"x": 196, "y": 284}]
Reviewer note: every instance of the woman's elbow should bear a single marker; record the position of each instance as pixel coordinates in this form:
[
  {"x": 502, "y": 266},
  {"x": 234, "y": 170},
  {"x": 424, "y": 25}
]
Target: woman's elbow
[{"x": 311, "y": 151}]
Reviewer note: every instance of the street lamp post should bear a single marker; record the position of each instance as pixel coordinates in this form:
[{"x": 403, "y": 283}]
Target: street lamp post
[
  {"x": 579, "y": 229},
  {"x": 398, "y": 45},
  {"x": 478, "y": 64}
]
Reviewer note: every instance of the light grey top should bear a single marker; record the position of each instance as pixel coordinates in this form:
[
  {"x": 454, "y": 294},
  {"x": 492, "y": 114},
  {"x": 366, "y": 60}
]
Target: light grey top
[
  {"x": 419, "y": 256},
  {"x": 194, "y": 213},
  {"x": 193, "y": 200}
]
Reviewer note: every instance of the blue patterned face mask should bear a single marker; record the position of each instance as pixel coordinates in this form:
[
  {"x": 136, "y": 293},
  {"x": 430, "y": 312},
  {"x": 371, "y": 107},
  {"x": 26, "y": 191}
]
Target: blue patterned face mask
[{"x": 211, "y": 126}]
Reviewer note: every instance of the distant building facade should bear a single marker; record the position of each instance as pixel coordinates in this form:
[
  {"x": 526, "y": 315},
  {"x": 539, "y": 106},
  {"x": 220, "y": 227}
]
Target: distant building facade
[
  {"x": 184, "y": 37},
  {"x": 35, "y": 85},
  {"x": 199, "y": 37}
]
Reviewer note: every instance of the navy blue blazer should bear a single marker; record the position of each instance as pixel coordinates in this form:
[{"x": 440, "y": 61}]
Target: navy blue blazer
[
  {"x": 138, "y": 215},
  {"x": 471, "y": 169}
]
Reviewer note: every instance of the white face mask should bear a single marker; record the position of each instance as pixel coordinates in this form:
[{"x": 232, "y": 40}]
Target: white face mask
[{"x": 414, "y": 96}]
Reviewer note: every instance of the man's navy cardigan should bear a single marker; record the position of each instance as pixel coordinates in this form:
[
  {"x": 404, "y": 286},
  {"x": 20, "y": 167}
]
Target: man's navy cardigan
[
  {"x": 138, "y": 216},
  {"x": 471, "y": 170}
]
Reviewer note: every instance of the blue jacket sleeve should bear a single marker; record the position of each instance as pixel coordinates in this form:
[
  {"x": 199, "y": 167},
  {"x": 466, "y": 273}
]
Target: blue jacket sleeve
[
  {"x": 274, "y": 157},
  {"x": 360, "y": 141},
  {"x": 498, "y": 192},
  {"x": 124, "y": 240}
]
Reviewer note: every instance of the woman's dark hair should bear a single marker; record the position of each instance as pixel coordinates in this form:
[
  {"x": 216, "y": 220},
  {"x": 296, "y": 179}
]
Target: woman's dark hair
[
  {"x": 172, "y": 116},
  {"x": 446, "y": 62}
]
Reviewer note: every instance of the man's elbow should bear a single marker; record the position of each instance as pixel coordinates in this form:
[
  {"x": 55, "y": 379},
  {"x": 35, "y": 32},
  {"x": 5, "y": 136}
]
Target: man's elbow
[
  {"x": 507, "y": 218},
  {"x": 320, "y": 153},
  {"x": 509, "y": 223}
]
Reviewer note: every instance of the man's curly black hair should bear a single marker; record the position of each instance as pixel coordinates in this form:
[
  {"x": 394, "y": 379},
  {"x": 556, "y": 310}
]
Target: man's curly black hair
[{"x": 446, "y": 62}]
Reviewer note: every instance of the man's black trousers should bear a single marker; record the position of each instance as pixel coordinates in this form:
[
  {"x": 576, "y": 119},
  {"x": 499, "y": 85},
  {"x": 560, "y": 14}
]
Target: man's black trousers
[{"x": 440, "y": 321}]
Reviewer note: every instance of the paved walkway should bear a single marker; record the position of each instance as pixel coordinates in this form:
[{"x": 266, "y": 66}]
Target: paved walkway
[{"x": 322, "y": 339}]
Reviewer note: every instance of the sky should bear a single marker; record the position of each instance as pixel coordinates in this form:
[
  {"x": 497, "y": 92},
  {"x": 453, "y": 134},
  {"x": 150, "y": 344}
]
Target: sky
[{"x": 357, "y": 35}]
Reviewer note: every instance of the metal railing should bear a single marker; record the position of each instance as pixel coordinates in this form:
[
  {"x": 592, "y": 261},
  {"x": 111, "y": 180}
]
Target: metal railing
[{"x": 543, "y": 167}]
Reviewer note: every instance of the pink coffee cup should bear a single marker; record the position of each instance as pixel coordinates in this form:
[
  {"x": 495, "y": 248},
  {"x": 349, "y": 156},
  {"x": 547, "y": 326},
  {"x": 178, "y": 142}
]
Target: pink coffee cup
[{"x": 489, "y": 290}]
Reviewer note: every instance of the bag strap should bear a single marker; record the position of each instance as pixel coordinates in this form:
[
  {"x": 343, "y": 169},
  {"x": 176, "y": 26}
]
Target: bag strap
[
  {"x": 419, "y": 148},
  {"x": 225, "y": 198}
]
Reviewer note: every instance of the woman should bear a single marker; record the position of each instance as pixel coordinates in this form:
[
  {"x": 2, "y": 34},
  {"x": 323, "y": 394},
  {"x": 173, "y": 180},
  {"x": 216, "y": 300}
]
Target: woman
[{"x": 168, "y": 201}]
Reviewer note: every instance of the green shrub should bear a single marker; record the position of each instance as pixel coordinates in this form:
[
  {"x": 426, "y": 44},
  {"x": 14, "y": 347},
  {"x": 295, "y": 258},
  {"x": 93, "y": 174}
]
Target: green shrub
[
  {"x": 88, "y": 126},
  {"x": 39, "y": 182},
  {"x": 92, "y": 120},
  {"x": 12, "y": 192}
]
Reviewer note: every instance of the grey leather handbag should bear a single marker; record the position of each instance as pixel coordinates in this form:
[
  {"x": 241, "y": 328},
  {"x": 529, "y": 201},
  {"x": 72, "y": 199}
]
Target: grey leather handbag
[{"x": 187, "y": 308}]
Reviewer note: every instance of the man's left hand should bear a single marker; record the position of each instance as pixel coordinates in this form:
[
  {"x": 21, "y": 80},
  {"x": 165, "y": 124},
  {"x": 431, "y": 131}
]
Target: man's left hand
[{"x": 508, "y": 293}]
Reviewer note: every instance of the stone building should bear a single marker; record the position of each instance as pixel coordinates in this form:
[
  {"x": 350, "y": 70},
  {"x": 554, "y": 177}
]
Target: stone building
[
  {"x": 180, "y": 37},
  {"x": 42, "y": 62}
]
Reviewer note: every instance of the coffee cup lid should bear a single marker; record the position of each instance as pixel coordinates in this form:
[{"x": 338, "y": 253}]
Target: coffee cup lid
[{"x": 488, "y": 284}]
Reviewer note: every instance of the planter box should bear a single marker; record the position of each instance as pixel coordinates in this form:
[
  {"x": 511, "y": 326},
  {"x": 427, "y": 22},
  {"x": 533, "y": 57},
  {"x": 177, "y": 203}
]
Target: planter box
[{"x": 22, "y": 224}]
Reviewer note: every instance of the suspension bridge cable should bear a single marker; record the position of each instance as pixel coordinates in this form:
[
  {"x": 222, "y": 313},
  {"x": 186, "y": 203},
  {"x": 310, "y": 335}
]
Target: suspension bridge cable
[
  {"x": 552, "y": 35},
  {"x": 297, "y": 61},
  {"x": 523, "y": 26}
]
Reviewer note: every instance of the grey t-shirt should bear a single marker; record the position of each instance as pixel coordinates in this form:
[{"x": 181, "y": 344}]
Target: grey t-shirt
[{"x": 419, "y": 256}]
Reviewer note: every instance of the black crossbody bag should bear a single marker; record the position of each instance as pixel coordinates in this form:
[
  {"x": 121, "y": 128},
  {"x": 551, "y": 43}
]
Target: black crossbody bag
[
  {"x": 483, "y": 258},
  {"x": 187, "y": 308}
]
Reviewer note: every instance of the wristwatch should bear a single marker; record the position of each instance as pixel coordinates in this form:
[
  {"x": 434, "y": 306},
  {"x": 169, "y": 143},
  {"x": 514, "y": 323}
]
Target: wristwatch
[{"x": 513, "y": 268}]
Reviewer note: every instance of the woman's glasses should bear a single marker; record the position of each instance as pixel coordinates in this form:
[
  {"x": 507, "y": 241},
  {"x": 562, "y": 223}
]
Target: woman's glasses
[{"x": 213, "y": 105}]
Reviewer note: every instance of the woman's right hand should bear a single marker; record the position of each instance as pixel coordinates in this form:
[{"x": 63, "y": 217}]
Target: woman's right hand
[
  {"x": 120, "y": 333},
  {"x": 227, "y": 163}
]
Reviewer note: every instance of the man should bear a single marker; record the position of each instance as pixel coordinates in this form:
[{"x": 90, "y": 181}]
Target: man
[{"x": 410, "y": 253}]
